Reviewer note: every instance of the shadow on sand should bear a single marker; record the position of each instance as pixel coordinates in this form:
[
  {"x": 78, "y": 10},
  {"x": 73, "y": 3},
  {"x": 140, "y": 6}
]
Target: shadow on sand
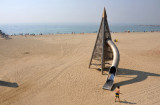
[
  {"x": 105, "y": 70},
  {"x": 141, "y": 76},
  {"x": 126, "y": 102},
  {"x": 8, "y": 84}
]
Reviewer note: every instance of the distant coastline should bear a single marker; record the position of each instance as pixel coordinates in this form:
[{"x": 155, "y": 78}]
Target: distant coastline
[
  {"x": 46, "y": 29},
  {"x": 151, "y": 25}
]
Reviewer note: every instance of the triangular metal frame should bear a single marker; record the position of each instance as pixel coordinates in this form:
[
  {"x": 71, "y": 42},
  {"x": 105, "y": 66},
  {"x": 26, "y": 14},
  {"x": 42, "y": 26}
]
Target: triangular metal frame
[{"x": 102, "y": 51}]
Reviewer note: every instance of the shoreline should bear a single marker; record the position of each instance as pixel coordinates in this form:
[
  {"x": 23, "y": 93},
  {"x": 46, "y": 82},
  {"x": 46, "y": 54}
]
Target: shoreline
[{"x": 84, "y": 33}]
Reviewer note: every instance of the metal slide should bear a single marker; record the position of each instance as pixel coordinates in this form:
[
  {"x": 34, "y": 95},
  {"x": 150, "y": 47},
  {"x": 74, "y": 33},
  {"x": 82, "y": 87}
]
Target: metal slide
[{"x": 113, "y": 69}]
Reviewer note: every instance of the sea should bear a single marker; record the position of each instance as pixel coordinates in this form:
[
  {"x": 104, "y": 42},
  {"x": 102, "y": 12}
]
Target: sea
[{"x": 22, "y": 29}]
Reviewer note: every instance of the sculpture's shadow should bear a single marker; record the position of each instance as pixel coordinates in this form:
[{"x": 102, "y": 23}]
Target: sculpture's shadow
[
  {"x": 8, "y": 84},
  {"x": 141, "y": 76}
]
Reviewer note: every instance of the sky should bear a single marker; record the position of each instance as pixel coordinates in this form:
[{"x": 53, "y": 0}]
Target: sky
[{"x": 80, "y": 11}]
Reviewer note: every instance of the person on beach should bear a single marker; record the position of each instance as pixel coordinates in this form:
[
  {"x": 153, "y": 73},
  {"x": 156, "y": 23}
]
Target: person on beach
[{"x": 117, "y": 92}]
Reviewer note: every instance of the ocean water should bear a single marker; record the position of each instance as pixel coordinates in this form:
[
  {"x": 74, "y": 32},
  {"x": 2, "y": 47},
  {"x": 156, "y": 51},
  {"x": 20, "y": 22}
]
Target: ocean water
[{"x": 11, "y": 29}]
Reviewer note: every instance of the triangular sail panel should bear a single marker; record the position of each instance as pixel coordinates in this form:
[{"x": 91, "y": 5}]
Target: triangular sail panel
[{"x": 102, "y": 51}]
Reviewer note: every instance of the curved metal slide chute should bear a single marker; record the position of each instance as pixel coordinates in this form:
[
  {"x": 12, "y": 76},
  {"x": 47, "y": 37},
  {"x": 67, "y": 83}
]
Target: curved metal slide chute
[{"x": 113, "y": 69}]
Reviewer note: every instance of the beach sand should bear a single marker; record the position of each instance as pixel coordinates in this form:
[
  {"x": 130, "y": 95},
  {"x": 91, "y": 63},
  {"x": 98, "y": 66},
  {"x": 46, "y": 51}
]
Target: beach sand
[{"x": 53, "y": 70}]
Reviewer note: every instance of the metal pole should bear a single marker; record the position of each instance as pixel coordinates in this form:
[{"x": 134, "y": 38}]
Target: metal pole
[{"x": 103, "y": 38}]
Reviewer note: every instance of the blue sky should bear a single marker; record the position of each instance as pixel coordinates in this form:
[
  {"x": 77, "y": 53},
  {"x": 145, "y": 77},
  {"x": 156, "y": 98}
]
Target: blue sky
[{"x": 80, "y": 11}]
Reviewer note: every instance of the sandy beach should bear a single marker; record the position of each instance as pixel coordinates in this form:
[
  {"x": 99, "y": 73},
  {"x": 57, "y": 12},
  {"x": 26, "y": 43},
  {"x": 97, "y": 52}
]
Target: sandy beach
[{"x": 53, "y": 70}]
